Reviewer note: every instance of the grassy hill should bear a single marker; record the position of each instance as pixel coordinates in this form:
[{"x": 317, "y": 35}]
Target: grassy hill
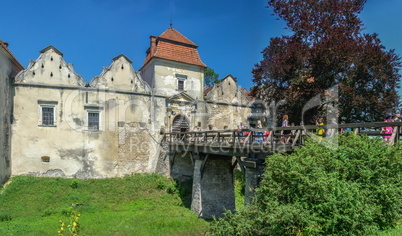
[{"x": 134, "y": 205}]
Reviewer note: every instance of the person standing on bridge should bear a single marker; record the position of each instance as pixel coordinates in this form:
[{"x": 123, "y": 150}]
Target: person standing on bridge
[
  {"x": 285, "y": 133},
  {"x": 320, "y": 130},
  {"x": 259, "y": 134},
  {"x": 389, "y": 129},
  {"x": 241, "y": 134}
]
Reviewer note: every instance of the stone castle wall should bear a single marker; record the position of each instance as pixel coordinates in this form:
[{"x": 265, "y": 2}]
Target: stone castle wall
[{"x": 5, "y": 116}]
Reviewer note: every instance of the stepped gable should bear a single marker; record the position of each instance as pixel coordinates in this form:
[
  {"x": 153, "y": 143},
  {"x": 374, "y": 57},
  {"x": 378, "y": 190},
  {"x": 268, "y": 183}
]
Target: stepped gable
[
  {"x": 172, "y": 45},
  {"x": 50, "y": 69}
]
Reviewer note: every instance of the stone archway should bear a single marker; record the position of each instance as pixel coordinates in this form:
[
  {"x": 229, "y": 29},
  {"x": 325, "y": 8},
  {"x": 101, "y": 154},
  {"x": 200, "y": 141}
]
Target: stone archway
[{"x": 180, "y": 124}]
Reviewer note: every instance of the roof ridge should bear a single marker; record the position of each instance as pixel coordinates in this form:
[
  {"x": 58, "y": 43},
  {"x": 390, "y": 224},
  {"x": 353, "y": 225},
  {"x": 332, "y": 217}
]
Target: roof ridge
[{"x": 174, "y": 35}]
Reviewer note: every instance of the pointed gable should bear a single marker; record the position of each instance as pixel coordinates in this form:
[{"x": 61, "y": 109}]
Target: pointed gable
[
  {"x": 227, "y": 91},
  {"x": 50, "y": 69},
  {"x": 120, "y": 75},
  {"x": 182, "y": 97},
  {"x": 172, "y": 45}
]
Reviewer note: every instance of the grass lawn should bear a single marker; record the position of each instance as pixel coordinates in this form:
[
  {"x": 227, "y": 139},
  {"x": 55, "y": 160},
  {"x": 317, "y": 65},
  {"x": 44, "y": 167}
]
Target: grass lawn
[{"x": 140, "y": 204}]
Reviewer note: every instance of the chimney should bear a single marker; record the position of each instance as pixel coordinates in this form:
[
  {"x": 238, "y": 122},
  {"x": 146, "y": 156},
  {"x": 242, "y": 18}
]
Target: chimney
[
  {"x": 4, "y": 43},
  {"x": 152, "y": 47}
]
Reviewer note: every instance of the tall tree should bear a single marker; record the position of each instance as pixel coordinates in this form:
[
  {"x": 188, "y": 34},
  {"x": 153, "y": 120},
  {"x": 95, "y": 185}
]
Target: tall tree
[
  {"x": 210, "y": 77},
  {"x": 326, "y": 48}
]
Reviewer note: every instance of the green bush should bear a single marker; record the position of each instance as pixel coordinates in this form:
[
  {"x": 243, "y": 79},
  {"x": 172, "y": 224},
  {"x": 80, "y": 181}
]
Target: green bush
[
  {"x": 5, "y": 216},
  {"x": 355, "y": 189}
]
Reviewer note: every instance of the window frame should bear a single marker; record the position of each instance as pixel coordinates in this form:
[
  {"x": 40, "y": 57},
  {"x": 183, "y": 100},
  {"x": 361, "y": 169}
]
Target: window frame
[
  {"x": 95, "y": 122},
  {"x": 91, "y": 110},
  {"x": 47, "y": 105},
  {"x": 181, "y": 79},
  {"x": 182, "y": 85}
]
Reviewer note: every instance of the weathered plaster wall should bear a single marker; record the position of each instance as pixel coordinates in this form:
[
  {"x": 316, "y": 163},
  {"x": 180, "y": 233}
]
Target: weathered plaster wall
[
  {"x": 124, "y": 144},
  {"x": 227, "y": 116},
  {"x": 227, "y": 105},
  {"x": 127, "y": 141},
  {"x": 5, "y": 116}
]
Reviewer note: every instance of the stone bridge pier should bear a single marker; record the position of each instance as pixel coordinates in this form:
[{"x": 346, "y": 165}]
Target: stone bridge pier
[
  {"x": 213, "y": 187},
  {"x": 213, "y": 180}
]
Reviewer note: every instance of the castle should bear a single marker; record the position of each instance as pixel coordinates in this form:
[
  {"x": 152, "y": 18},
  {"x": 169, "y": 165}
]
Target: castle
[{"x": 53, "y": 123}]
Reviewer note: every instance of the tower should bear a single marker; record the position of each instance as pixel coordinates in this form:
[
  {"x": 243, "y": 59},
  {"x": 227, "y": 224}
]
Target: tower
[{"x": 173, "y": 65}]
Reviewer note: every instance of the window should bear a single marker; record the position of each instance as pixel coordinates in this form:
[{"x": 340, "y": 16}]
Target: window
[
  {"x": 180, "y": 81},
  {"x": 180, "y": 84},
  {"x": 47, "y": 113},
  {"x": 93, "y": 120}
]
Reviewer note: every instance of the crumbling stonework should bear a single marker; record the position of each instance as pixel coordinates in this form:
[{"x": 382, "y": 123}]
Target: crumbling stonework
[{"x": 9, "y": 67}]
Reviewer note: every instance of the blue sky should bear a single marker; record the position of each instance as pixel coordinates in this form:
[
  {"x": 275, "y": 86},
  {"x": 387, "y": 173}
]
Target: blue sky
[{"x": 230, "y": 33}]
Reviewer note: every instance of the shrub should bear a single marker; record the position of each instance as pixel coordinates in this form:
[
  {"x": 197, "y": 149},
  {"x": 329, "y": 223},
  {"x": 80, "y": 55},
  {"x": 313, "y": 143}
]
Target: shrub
[
  {"x": 74, "y": 184},
  {"x": 353, "y": 190},
  {"x": 4, "y": 216}
]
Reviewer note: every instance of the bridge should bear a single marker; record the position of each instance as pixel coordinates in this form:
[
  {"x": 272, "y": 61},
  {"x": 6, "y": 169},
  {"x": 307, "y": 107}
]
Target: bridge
[{"x": 209, "y": 157}]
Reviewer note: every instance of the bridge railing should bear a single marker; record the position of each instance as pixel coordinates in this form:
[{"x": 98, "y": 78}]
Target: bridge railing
[{"x": 294, "y": 135}]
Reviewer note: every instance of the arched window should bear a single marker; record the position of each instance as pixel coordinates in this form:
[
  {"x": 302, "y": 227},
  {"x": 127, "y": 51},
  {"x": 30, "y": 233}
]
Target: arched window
[{"x": 180, "y": 124}]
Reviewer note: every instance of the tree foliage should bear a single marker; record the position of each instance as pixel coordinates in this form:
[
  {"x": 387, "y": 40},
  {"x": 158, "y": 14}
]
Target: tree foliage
[
  {"x": 210, "y": 77},
  {"x": 327, "y": 47},
  {"x": 354, "y": 190}
]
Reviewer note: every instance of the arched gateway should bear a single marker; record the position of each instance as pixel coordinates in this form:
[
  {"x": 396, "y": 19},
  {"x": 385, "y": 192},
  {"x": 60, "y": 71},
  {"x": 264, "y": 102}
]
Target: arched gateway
[{"x": 180, "y": 124}]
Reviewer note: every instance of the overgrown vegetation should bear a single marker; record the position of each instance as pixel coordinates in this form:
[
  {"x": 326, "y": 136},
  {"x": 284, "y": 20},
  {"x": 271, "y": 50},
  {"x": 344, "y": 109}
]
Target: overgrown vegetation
[
  {"x": 353, "y": 190},
  {"x": 140, "y": 204},
  {"x": 239, "y": 185}
]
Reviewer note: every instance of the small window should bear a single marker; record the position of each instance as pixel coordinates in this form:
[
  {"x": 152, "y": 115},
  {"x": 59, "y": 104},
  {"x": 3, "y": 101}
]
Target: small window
[
  {"x": 180, "y": 81},
  {"x": 47, "y": 113},
  {"x": 180, "y": 84},
  {"x": 93, "y": 120}
]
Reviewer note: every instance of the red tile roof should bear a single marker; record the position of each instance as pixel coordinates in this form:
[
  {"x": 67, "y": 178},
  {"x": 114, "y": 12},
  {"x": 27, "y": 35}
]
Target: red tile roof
[
  {"x": 249, "y": 95},
  {"x": 172, "y": 45},
  {"x": 207, "y": 90},
  {"x": 176, "y": 36}
]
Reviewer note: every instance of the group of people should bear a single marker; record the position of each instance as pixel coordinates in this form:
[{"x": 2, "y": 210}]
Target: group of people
[
  {"x": 287, "y": 135},
  {"x": 259, "y": 136}
]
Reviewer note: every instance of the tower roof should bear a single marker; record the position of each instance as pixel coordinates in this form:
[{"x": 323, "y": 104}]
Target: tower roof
[
  {"x": 172, "y": 45},
  {"x": 175, "y": 36}
]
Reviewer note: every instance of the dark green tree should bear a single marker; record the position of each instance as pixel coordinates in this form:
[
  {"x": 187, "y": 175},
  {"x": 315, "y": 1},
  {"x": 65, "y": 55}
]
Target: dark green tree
[
  {"x": 317, "y": 190},
  {"x": 210, "y": 77},
  {"x": 327, "y": 47}
]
